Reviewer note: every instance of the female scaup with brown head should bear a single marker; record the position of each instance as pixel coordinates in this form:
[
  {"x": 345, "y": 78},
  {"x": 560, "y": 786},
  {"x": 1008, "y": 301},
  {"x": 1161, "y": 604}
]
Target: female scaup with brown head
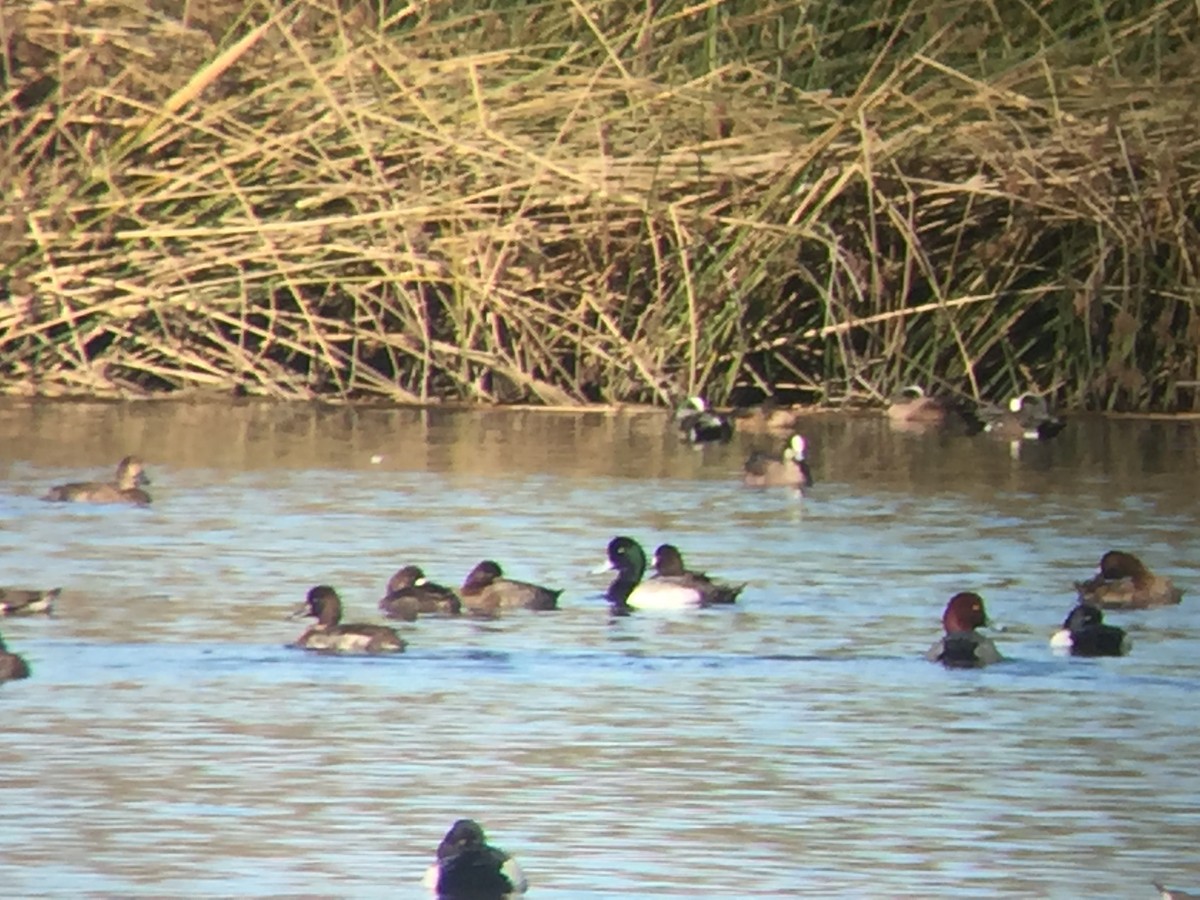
[
  {"x": 486, "y": 591},
  {"x": 961, "y": 646},
  {"x": 27, "y": 601},
  {"x": 469, "y": 868},
  {"x": 324, "y": 604},
  {"x": 1084, "y": 633},
  {"x": 668, "y": 563},
  {"x": 12, "y": 666},
  {"x": 1123, "y": 582},
  {"x": 789, "y": 468},
  {"x": 125, "y": 488},
  {"x": 410, "y": 593}
]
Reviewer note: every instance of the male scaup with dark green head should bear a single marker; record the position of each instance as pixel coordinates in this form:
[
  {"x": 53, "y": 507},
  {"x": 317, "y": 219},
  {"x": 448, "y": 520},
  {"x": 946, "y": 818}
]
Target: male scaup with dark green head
[
  {"x": 469, "y": 868},
  {"x": 27, "y": 601},
  {"x": 961, "y": 646},
  {"x": 125, "y": 488},
  {"x": 1122, "y": 581},
  {"x": 486, "y": 591},
  {"x": 628, "y": 591},
  {"x": 668, "y": 563},
  {"x": 12, "y": 666},
  {"x": 410, "y": 593},
  {"x": 328, "y": 634},
  {"x": 699, "y": 424},
  {"x": 789, "y": 468},
  {"x": 1084, "y": 633},
  {"x": 1027, "y": 418}
]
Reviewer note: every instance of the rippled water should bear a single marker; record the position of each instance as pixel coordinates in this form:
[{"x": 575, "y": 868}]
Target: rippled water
[{"x": 169, "y": 744}]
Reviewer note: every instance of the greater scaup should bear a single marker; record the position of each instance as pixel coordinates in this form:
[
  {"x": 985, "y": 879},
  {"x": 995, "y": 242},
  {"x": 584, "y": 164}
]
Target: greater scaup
[
  {"x": 628, "y": 591},
  {"x": 469, "y": 868},
  {"x": 1084, "y": 633},
  {"x": 410, "y": 593},
  {"x": 486, "y": 591},
  {"x": 668, "y": 563},
  {"x": 324, "y": 604}
]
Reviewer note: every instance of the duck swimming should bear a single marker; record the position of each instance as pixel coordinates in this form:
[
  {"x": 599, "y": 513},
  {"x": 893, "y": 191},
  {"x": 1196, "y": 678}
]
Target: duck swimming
[
  {"x": 324, "y": 604},
  {"x": 962, "y": 647},
  {"x": 1026, "y": 418},
  {"x": 788, "y": 469},
  {"x": 1084, "y": 633},
  {"x": 468, "y": 868},
  {"x": 1123, "y": 582},
  {"x": 912, "y": 409},
  {"x": 668, "y": 563},
  {"x": 629, "y": 591},
  {"x": 699, "y": 424},
  {"x": 770, "y": 416},
  {"x": 486, "y": 591},
  {"x": 27, "y": 601},
  {"x": 12, "y": 666},
  {"x": 410, "y": 593},
  {"x": 124, "y": 488}
]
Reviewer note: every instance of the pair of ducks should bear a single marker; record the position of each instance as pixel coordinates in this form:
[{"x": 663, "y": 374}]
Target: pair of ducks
[
  {"x": 484, "y": 593},
  {"x": 699, "y": 424},
  {"x": 1121, "y": 581},
  {"x": 1026, "y": 417},
  {"x": 673, "y": 585}
]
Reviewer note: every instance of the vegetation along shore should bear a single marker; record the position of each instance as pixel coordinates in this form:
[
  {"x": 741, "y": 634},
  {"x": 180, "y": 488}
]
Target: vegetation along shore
[{"x": 577, "y": 202}]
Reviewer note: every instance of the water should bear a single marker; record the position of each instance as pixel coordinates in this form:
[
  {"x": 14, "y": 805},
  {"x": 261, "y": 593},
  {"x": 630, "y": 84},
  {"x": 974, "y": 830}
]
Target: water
[{"x": 169, "y": 744}]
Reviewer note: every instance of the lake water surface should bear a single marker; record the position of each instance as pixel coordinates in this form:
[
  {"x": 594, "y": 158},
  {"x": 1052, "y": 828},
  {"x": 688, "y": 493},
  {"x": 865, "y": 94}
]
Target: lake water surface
[{"x": 170, "y": 744}]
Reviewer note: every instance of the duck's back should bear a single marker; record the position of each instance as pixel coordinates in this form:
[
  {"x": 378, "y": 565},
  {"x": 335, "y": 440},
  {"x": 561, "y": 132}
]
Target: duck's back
[
  {"x": 352, "y": 639},
  {"x": 964, "y": 650},
  {"x": 97, "y": 492},
  {"x": 1126, "y": 593},
  {"x": 1099, "y": 640}
]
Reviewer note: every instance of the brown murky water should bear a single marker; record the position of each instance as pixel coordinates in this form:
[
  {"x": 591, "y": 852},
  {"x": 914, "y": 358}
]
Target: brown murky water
[{"x": 169, "y": 744}]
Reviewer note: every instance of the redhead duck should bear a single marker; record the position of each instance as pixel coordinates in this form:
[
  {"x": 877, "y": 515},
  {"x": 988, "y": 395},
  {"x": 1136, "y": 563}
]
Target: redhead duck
[
  {"x": 26, "y": 601},
  {"x": 789, "y": 469},
  {"x": 1167, "y": 893},
  {"x": 12, "y": 666},
  {"x": 486, "y": 591},
  {"x": 1026, "y": 418},
  {"x": 469, "y": 868},
  {"x": 1122, "y": 582},
  {"x": 410, "y": 593},
  {"x": 324, "y": 604},
  {"x": 668, "y": 563},
  {"x": 911, "y": 408},
  {"x": 768, "y": 417},
  {"x": 125, "y": 488},
  {"x": 629, "y": 592},
  {"x": 1084, "y": 633},
  {"x": 701, "y": 425},
  {"x": 962, "y": 647}
]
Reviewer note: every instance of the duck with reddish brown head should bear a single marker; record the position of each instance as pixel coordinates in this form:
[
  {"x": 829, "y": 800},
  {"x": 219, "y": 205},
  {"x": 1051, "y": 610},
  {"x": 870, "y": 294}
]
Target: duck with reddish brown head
[
  {"x": 331, "y": 636},
  {"x": 410, "y": 593},
  {"x": 486, "y": 592},
  {"x": 1123, "y": 582},
  {"x": 961, "y": 646}
]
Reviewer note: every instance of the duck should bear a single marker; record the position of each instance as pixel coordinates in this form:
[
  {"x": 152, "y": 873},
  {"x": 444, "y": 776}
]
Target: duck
[
  {"x": 124, "y": 488},
  {"x": 628, "y": 591},
  {"x": 699, "y": 424},
  {"x": 410, "y": 593},
  {"x": 788, "y": 469},
  {"x": 770, "y": 416},
  {"x": 913, "y": 409},
  {"x": 469, "y": 868},
  {"x": 962, "y": 647},
  {"x": 12, "y": 667},
  {"x": 1166, "y": 893},
  {"x": 668, "y": 563},
  {"x": 486, "y": 591},
  {"x": 1084, "y": 633},
  {"x": 1123, "y": 582},
  {"x": 1026, "y": 418},
  {"x": 27, "y": 601},
  {"x": 328, "y": 634}
]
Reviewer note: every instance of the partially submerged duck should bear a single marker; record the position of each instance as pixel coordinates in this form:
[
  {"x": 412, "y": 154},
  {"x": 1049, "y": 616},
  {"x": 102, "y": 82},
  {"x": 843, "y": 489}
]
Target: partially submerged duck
[
  {"x": 961, "y": 646},
  {"x": 668, "y": 563},
  {"x": 27, "y": 601},
  {"x": 789, "y": 468},
  {"x": 469, "y": 868},
  {"x": 912, "y": 408},
  {"x": 410, "y": 593},
  {"x": 486, "y": 591},
  {"x": 1084, "y": 633},
  {"x": 1123, "y": 582},
  {"x": 1027, "y": 418},
  {"x": 324, "y": 604},
  {"x": 699, "y": 424},
  {"x": 12, "y": 666},
  {"x": 628, "y": 591},
  {"x": 126, "y": 487}
]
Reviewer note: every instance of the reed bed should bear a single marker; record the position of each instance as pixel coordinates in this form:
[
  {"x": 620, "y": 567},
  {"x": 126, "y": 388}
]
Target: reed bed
[{"x": 572, "y": 202}]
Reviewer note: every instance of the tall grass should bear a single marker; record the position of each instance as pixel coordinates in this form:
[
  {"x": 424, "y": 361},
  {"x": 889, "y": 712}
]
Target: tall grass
[{"x": 563, "y": 202}]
